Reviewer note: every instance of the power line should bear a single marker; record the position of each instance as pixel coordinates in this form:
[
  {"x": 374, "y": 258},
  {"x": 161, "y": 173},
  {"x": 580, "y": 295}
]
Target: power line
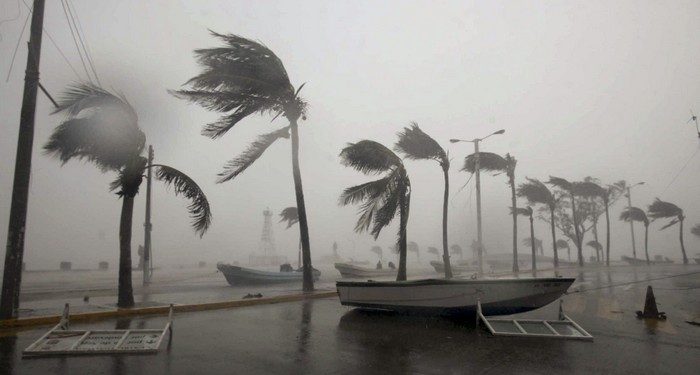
[
  {"x": 77, "y": 47},
  {"x": 83, "y": 43},
  {"x": 633, "y": 282},
  {"x": 14, "y": 54},
  {"x": 680, "y": 171}
]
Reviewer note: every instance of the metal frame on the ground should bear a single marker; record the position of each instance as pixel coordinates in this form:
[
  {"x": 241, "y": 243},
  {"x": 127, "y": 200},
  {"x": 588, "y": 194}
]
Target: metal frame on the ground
[
  {"x": 547, "y": 328},
  {"x": 61, "y": 340}
]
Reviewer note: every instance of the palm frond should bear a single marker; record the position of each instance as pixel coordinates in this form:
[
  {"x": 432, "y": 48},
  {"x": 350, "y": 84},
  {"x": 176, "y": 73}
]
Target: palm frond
[
  {"x": 660, "y": 209},
  {"x": 670, "y": 224},
  {"x": 86, "y": 96},
  {"x": 388, "y": 209},
  {"x": 199, "y": 208},
  {"x": 236, "y": 166},
  {"x": 527, "y": 211},
  {"x": 562, "y": 244},
  {"x": 560, "y": 183},
  {"x": 634, "y": 214},
  {"x": 433, "y": 250},
  {"x": 369, "y": 157},
  {"x": 368, "y": 190},
  {"x": 488, "y": 161},
  {"x": 536, "y": 192},
  {"x": 594, "y": 244},
  {"x": 695, "y": 230},
  {"x": 290, "y": 215},
  {"x": 589, "y": 189},
  {"x": 415, "y": 144},
  {"x": 129, "y": 177},
  {"x": 528, "y": 242}
]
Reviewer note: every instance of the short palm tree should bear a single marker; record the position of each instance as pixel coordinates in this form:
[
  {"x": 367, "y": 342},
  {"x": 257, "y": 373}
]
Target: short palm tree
[
  {"x": 596, "y": 246},
  {"x": 290, "y": 215},
  {"x": 663, "y": 210},
  {"x": 242, "y": 78},
  {"x": 564, "y": 244},
  {"x": 414, "y": 144},
  {"x": 637, "y": 214},
  {"x": 537, "y": 192},
  {"x": 527, "y": 212},
  {"x": 489, "y": 161},
  {"x": 377, "y": 250},
  {"x": 569, "y": 188},
  {"x": 102, "y": 128},
  {"x": 383, "y": 198}
]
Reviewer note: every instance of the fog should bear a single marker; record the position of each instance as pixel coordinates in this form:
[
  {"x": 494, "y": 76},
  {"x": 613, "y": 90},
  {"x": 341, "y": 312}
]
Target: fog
[{"x": 582, "y": 88}]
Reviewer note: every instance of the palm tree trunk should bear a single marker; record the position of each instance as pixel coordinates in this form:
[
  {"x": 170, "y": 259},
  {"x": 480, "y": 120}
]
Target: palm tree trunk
[
  {"x": 515, "y": 225},
  {"x": 301, "y": 209},
  {"x": 646, "y": 242},
  {"x": 126, "y": 292},
  {"x": 403, "y": 219},
  {"x": 445, "y": 251},
  {"x": 532, "y": 244},
  {"x": 579, "y": 245},
  {"x": 595, "y": 236},
  {"x": 607, "y": 233},
  {"x": 554, "y": 240},
  {"x": 685, "y": 258}
]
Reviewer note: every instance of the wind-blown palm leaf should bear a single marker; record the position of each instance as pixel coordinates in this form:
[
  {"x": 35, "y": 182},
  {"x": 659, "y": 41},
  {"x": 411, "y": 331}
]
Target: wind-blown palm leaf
[
  {"x": 527, "y": 211},
  {"x": 241, "y": 78},
  {"x": 560, "y": 183},
  {"x": 562, "y": 244},
  {"x": 291, "y": 216},
  {"x": 415, "y": 144},
  {"x": 199, "y": 209},
  {"x": 660, "y": 209},
  {"x": 535, "y": 191},
  {"x": 589, "y": 189},
  {"x": 86, "y": 96},
  {"x": 369, "y": 190},
  {"x": 670, "y": 224},
  {"x": 595, "y": 244},
  {"x": 634, "y": 214},
  {"x": 236, "y": 166},
  {"x": 369, "y": 157},
  {"x": 527, "y": 242},
  {"x": 488, "y": 161},
  {"x": 433, "y": 250},
  {"x": 129, "y": 177},
  {"x": 695, "y": 230}
]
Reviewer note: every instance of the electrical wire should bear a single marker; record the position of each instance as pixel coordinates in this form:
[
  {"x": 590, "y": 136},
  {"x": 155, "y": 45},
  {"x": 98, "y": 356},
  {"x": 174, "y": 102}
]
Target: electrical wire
[
  {"x": 75, "y": 41},
  {"x": 83, "y": 41},
  {"x": 14, "y": 54},
  {"x": 681, "y": 171},
  {"x": 19, "y": 13}
]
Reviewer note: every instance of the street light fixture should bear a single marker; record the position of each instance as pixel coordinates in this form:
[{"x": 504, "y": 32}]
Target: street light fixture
[{"x": 478, "y": 193}]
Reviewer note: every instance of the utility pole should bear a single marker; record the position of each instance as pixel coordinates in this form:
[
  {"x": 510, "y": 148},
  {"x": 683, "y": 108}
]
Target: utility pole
[
  {"x": 147, "y": 224},
  {"x": 629, "y": 208},
  {"x": 480, "y": 248},
  {"x": 14, "y": 253}
]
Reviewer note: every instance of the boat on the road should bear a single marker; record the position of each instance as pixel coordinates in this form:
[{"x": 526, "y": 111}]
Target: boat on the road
[
  {"x": 236, "y": 275},
  {"x": 454, "y": 297},
  {"x": 351, "y": 271}
]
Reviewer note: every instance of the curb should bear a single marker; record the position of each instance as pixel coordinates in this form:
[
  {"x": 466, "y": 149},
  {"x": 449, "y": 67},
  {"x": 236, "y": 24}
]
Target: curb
[{"x": 161, "y": 310}]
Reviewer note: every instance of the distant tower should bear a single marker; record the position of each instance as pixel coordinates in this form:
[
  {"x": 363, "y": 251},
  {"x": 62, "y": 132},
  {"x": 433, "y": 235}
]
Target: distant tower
[{"x": 267, "y": 238}]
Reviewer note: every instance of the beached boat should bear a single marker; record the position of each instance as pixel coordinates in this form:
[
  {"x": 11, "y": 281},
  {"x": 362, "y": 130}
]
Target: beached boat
[
  {"x": 236, "y": 275},
  {"x": 453, "y": 297},
  {"x": 457, "y": 269},
  {"x": 351, "y": 271},
  {"x": 639, "y": 262}
]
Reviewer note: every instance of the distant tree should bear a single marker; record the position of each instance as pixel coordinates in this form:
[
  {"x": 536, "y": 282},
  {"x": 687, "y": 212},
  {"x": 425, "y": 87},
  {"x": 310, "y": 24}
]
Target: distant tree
[
  {"x": 290, "y": 215},
  {"x": 382, "y": 198},
  {"x": 537, "y": 192},
  {"x": 413, "y": 248},
  {"x": 664, "y": 210},
  {"x": 564, "y": 244},
  {"x": 595, "y": 245},
  {"x": 414, "y": 144},
  {"x": 527, "y": 212},
  {"x": 242, "y": 78},
  {"x": 590, "y": 188},
  {"x": 456, "y": 249},
  {"x": 637, "y": 214},
  {"x": 434, "y": 250},
  {"x": 102, "y": 128},
  {"x": 377, "y": 250},
  {"x": 696, "y": 230},
  {"x": 569, "y": 189}
]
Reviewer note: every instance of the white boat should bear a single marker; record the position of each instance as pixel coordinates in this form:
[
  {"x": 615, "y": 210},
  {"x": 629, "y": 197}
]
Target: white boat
[
  {"x": 351, "y": 271},
  {"x": 457, "y": 269},
  {"x": 453, "y": 297},
  {"x": 236, "y": 275}
]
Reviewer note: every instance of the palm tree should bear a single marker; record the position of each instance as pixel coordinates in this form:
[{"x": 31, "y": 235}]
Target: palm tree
[
  {"x": 242, "y": 78},
  {"x": 527, "y": 211},
  {"x": 570, "y": 189},
  {"x": 456, "y": 249},
  {"x": 564, "y": 244},
  {"x": 489, "y": 161},
  {"x": 290, "y": 215},
  {"x": 414, "y": 144},
  {"x": 662, "y": 210},
  {"x": 596, "y": 246},
  {"x": 434, "y": 250},
  {"x": 537, "y": 192},
  {"x": 102, "y": 128},
  {"x": 377, "y": 250},
  {"x": 695, "y": 230},
  {"x": 590, "y": 189},
  {"x": 637, "y": 214},
  {"x": 382, "y": 198},
  {"x": 413, "y": 248}
]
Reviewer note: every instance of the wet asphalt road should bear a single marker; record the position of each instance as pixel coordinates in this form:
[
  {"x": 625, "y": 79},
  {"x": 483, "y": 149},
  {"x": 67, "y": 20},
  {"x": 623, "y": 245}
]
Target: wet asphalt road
[{"x": 322, "y": 337}]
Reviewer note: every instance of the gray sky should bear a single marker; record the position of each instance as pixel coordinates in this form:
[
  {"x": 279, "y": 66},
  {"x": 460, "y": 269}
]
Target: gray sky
[{"x": 582, "y": 88}]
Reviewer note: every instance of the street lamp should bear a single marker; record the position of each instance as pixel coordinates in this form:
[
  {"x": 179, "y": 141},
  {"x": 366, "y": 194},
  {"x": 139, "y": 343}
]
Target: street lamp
[
  {"x": 478, "y": 193},
  {"x": 629, "y": 208}
]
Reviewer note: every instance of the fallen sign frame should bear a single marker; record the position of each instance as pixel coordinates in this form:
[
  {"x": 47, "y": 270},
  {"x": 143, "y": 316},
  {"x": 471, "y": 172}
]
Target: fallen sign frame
[
  {"x": 61, "y": 340},
  {"x": 563, "y": 328}
]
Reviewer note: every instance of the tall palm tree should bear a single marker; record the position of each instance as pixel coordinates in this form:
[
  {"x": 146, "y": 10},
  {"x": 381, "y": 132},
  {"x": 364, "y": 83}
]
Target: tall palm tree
[
  {"x": 382, "y": 198},
  {"x": 564, "y": 244},
  {"x": 102, "y": 128},
  {"x": 637, "y": 214},
  {"x": 488, "y": 161},
  {"x": 537, "y": 192},
  {"x": 242, "y": 78},
  {"x": 527, "y": 212},
  {"x": 662, "y": 210},
  {"x": 569, "y": 189},
  {"x": 414, "y": 144},
  {"x": 290, "y": 215}
]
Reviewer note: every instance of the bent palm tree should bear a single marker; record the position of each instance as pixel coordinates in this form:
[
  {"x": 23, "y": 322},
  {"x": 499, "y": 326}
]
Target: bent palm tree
[
  {"x": 414, "y": 144},
  {"x": 637, "y": 214},
  {"x": 382, "y": 198},
  {"x": 570, "y": 189},
  {"x": 663, "y": 210},
  {"x": 242, "y": 78},
  {"x": 290, "y": 215},
  {"x": 596, "y": 246},
  {"x": 537, "y": 192},
  {"x": 590, "y": 189},
  {"x": 102, "y": 128},
  {"x": 489, "y": 161},
  {"x": 527, "y": 211}
]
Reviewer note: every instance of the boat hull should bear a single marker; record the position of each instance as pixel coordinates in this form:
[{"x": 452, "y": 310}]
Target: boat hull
[
  {"x": 456, "y": 269},
  {"x": 349, "y": 271},
  {"x": 236, "y": 275},
  {"x": 640, "y": 262},
  {"x": 454, "y": 297}
]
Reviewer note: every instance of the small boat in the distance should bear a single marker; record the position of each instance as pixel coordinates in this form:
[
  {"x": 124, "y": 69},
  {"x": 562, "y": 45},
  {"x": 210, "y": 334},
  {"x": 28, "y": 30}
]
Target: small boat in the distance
[
  {"x": 236, "y": 275},
  {"x": 351, "y": 271},
  {"x": 640, "y": 262},
  {"x": 453, "y": 297}
]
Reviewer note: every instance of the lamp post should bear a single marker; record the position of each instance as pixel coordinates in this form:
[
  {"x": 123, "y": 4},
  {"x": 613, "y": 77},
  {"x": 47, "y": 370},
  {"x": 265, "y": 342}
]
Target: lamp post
[
  {"x": 478, "y": 194},
  {"x": 629, "y": 207}
]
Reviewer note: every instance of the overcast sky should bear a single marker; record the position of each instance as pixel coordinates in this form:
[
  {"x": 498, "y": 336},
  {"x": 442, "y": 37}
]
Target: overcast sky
[{"x": 595, "y": 88}]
